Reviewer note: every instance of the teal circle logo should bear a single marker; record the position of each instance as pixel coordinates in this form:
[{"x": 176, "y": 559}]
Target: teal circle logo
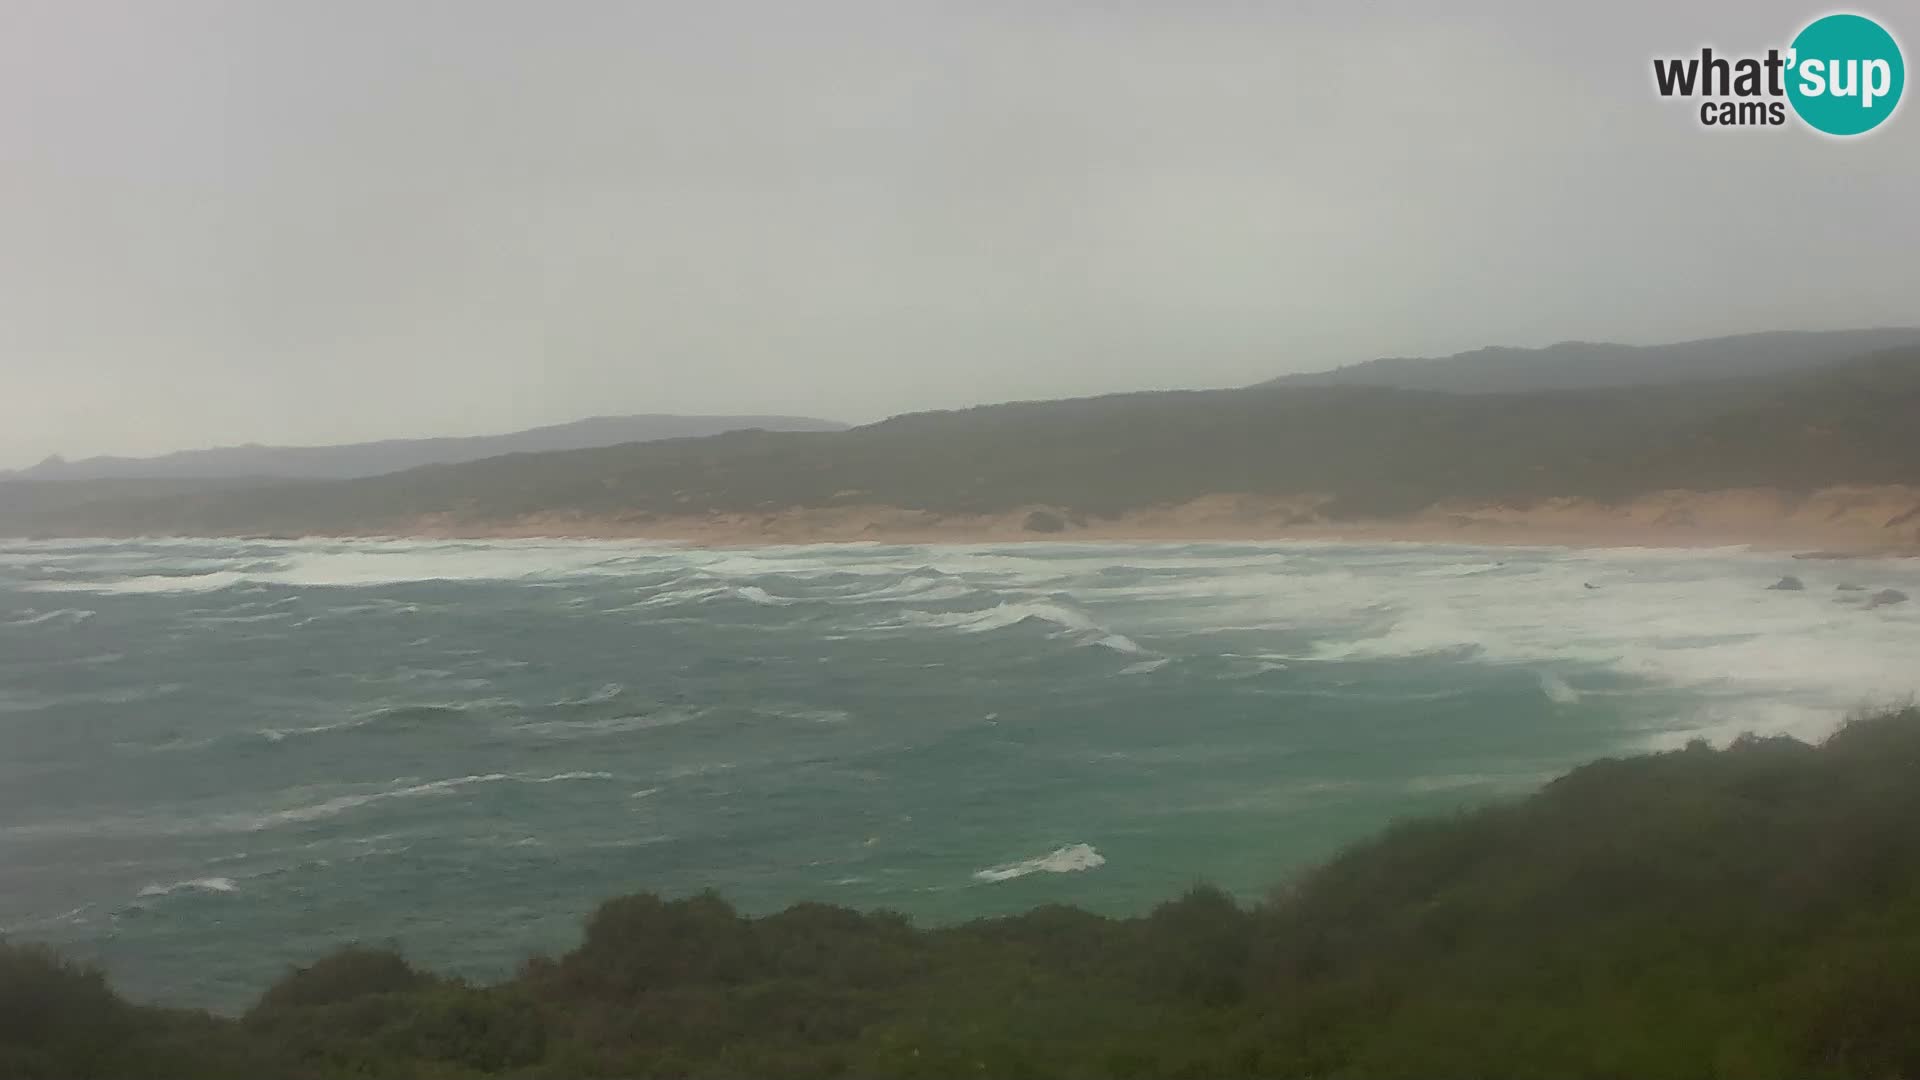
[{"x": 1845, "y": 74}]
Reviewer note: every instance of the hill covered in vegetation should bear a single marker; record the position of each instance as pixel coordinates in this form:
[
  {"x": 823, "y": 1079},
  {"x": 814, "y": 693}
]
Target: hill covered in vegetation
[
  {"x": 1751, "y": 912},
  {"x": 348, "y": 460},
  {"x": 1363, "y": 451}
]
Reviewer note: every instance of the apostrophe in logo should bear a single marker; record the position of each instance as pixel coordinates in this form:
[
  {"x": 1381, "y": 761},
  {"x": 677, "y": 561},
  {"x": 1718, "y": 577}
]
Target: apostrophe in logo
[
  {"x": 1845, "y": 74},
  {"x": 1842, "y": 75}
]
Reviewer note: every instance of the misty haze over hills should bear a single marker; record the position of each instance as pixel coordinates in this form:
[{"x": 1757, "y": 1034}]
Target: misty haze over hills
[
  {"x": 1783, "y": 420},
  {"x": 393, "y": 455},
  {"x": 1495, "y": 369},
  {"x": 1579, "y": 365}
]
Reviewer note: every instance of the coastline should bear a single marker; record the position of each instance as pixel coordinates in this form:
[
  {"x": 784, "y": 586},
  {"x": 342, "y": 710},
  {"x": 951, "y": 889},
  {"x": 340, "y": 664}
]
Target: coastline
[
  {"x": 1838, "y": 522},
  {"x": 1852, "y": 521}
]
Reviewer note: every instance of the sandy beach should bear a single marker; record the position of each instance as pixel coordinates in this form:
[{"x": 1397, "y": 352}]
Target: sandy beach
[{"x": 1837, "y": 521}]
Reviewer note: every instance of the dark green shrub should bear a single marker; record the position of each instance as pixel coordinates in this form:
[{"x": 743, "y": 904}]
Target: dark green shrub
[
  {"x": 57, "y": 1018},
  {"x": 642, "y": 942},
  {"x": 342, "y": 975},
  {"x": 837, "y": 946},
  {"x": 1197, "y": 946},
  {"x": 1751, "y": 912},
  {"x": 490, "y": 1032}
]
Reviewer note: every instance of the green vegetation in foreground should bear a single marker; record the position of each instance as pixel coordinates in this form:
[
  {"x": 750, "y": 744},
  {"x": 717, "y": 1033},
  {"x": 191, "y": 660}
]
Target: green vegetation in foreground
[{"x": 1752, "y": 912}]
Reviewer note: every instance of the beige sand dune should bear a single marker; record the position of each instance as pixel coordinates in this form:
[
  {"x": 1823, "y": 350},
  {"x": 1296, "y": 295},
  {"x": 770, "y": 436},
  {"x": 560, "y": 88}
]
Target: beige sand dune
[{"x": 1837, "y": 520}]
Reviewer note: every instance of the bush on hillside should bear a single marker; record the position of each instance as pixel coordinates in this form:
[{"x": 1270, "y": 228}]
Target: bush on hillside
[{"x": 1750, "y": 912}]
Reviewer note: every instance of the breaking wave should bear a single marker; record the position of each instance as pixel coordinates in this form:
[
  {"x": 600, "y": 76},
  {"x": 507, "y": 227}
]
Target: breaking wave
[
  {"x": 854, "y": 711},
  {"x": 66, "y": 616},
  {"x": 341, "y": 804},
  {"x": 1067, "y": 620},
  {"x": 147, "y": 583},
  {"x": 1072, "y": 859},
  {"x": 205, "y": 885}
]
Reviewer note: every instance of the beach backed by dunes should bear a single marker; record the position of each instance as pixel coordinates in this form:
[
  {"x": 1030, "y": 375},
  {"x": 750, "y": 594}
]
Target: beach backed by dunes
[{"x": 1854, "y": 520}]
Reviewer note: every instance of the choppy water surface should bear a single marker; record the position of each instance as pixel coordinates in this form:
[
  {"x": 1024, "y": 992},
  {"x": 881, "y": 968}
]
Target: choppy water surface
[{"x": 220, "y": 757}]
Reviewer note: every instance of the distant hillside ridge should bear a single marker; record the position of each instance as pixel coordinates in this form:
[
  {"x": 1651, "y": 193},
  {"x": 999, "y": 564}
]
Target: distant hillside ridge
[
  {"x": 352, "y": 460},
  {"x": 1361, "y": 453},
  {"x": 1580, "y": 365}
]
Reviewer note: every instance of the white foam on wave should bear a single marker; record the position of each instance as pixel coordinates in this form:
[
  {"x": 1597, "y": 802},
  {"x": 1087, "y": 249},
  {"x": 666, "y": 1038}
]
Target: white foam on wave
[
  {"x": 146, "y": 584},
  {"x": 205, "y": 885},
  {"x": 1003, "y": 615},
  {"x": 695, "y": 589},
  {"x": 934, "y": 593},
  {"x": 74, "y": 916},
  {"x": 122, "y": 695},
  {"x": 797, "y": 562},
  {"x": 1698, "y": 620},
  {"x": 1702, "y": 621},
  {"x": 63, "y": 616},
  {"x": 341, "y": 804},
  {"x": 922, "y": 584},
  {"x": 1119, "y": 643},
  {"x": 805, "y": 713},
  {"x": 283, "y": 734},
  {"x": 1071, "y": 622},
  {"x": 603, "y": 726},
  {"x": 1557, "y": 689},
  {"x": 1071, "y": 859},
  {"x": 349, "y": 564},
  {"x": 387, "y": 713},
  {"x": 398, "y": 563},
  {"x": 254, "y": 617},
  {"x": 607, "y": 692},
  {"x": 1720, "y": 723},
  {"x": 1467, "y": 569}
]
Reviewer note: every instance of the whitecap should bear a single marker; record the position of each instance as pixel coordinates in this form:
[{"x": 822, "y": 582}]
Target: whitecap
[
  {"x": 607, "y": 692},
  {"x": 206, "y": 884},
  {"x": 282, "y": 734},
  {"x": 1468, "y": 781},
  {"x": 805, "y": 713},
  {"x": 63, "y": 616},
  {"x": 1119, "y": 643},
  {"x": 147, "y": 583},
  {"x": 70, "y": 917},
  {"x": 256, "y": 617},
  {"x": 684, "y": 594},
  {"x": 342, "y": 803},
  {"x": 922, "y": 584},
  {"x": 607, "y": 725},
  {"x": 1557, "y": 690},
  {"x": 1072, "y": 859},
  {"x": 1004, "y": 615}
]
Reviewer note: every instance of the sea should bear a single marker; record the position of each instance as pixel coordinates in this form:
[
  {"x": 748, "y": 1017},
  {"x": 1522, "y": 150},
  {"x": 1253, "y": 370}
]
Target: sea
[{"x": 220, "y": 758}]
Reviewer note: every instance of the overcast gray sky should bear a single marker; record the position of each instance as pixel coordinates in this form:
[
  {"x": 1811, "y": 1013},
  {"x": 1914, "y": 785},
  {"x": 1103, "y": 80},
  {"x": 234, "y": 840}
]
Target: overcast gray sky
[{"x": 304, "y": 222}]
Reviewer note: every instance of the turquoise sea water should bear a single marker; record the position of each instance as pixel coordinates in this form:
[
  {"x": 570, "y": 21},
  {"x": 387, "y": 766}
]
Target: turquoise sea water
[{"x": 221, "y": 757}]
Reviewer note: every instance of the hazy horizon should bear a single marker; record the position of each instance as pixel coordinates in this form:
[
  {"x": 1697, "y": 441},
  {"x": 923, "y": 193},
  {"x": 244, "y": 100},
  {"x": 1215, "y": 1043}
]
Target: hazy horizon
[
  {"x": 292, "y": 224},
  {"x": 74, "y": 458}
]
